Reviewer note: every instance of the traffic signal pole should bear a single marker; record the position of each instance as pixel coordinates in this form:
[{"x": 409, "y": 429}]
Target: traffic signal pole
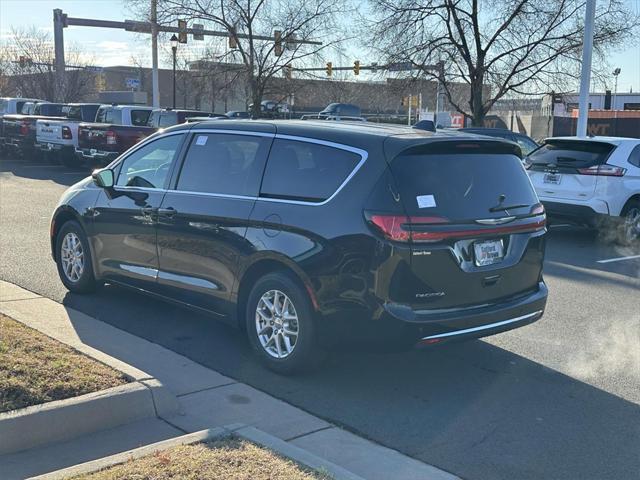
[
  {"x": 585, "y": 77},
  {"x": 154, "y": 55}
]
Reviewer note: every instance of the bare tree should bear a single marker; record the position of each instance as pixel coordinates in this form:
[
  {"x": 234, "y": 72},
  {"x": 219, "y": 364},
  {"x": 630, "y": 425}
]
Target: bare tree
[
  {"x": 495, "y": 47},
  {"x": 297, "y": 21},
  {"x": 28, "y": 64}
]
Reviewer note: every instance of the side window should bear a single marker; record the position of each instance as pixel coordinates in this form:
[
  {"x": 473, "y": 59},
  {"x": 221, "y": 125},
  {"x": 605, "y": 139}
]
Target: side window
[
  {"x": 168, "y": 119},
  {"x": 139, "y": 118},
  {"x": 149, "y": 165},
  {"x": 306, "y": 171},
  {"x": 527, "y": 146},
  {"x": 224, "y": 163},
  {"x": 634, "y": 156}
]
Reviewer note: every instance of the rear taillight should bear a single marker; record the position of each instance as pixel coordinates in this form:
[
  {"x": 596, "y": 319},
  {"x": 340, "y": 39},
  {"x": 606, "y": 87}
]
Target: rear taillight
[
  {"x": 24, "y": 128},
  {"x": 603, "y": 171},
  {"x": 401, "y": 228},
  {"x": 398, "y": 227},
  {"x": 112, "y": 138},
  {"x": 66, "y": 133}
]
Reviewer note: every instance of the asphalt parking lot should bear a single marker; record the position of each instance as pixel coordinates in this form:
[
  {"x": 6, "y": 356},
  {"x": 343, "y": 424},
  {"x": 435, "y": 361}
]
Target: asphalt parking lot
[{"x": 556, "y": 399}]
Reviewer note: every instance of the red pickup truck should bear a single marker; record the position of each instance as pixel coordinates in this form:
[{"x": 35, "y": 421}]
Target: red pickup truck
[
  {"x": 19, "y": 130},
  {"x": 116, "y": 129}
]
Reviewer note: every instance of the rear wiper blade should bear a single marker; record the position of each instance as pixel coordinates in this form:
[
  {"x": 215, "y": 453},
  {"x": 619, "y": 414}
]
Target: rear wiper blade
[{"x": 500, "y": 208}]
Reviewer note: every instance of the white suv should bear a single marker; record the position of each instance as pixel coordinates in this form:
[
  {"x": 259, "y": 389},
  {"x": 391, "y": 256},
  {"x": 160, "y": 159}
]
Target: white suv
[{"x": 587, "y": 180}]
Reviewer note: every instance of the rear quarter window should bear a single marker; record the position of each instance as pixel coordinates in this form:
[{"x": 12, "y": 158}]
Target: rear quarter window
[{"x": 305, "y": 171}]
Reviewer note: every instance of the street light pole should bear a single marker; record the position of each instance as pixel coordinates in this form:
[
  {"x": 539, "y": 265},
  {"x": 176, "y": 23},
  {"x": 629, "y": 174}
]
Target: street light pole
[
  {"x": 585, "y": 77},
  {"x": 616, "y": 72},
  {"x": 174, "y": 49}
]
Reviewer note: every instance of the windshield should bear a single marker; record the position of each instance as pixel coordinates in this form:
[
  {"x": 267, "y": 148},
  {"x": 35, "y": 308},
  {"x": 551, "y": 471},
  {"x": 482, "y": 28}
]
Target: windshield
[{"x": 571, "y": 153}]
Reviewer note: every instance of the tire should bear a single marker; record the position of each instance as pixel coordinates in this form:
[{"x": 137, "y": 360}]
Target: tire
[
  {"x": 304, "y": 354},
  {"x": 629, "y": 229},
  {"x": 85, "y": 281}
]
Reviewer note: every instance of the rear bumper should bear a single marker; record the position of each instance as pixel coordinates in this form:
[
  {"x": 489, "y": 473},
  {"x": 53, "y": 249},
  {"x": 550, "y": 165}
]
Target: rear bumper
[
  {"x": 587, "y": 212},
  {"x": 401, "y": 326},
  {"x": 99, "y": 156},
  {"x": 53, "y": 147}
]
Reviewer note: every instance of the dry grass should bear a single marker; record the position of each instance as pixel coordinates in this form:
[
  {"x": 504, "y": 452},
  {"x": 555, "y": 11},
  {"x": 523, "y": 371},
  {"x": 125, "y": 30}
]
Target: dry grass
[
  {"x": 226, "y": 459},
  {"x": 36, "y": 369}
]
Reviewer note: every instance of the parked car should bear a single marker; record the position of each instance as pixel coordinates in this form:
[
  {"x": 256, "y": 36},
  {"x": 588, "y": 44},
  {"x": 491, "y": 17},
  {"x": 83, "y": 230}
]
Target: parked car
[
  {"x": 593, "y": 181},
  {"x": 59, "y": 138},
  {"x": 527, "y": 144},
  {"x": 11, "y": 106},
  {"x": 341, "y": 110},
  {"x": 169, "y": 117},
  {"x": 237, "y": 114},
  {"x": 271, "y": 108},
  {"x": 116, "y": 129},
  {"x": 308, "y": 236},
  {"x": 20, "y": 129},
  {"x": 427, "y": 125}
]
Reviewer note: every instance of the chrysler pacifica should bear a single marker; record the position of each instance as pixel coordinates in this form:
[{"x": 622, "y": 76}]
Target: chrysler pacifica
[{"x": 308, "y": 235}]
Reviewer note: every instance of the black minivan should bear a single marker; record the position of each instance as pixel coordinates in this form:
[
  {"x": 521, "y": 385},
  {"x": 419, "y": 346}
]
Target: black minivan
[{"x": 315, "y": 234}]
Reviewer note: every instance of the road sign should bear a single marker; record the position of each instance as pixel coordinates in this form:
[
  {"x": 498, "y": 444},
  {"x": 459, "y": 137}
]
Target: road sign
[
  {"x": 400, "y": 66},
  {"x": 132, "y": 82},
  {"x": 198, "y": 36}
]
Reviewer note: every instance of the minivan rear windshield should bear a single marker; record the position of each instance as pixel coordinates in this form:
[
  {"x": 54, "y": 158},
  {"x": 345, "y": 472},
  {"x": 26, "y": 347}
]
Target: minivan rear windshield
[
  {"x": 463, "y": 187},
  {"x": 571, "y": 153}
]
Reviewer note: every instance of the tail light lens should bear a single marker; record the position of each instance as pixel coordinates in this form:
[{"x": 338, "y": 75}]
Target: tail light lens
[
  {"x": 24, "y": 128},
  {"x": 66, "y": 133},
  {"x": 401, "y": 228},
  {"x": 603, "y": 171},
  {"x": 112, "y": 138}
]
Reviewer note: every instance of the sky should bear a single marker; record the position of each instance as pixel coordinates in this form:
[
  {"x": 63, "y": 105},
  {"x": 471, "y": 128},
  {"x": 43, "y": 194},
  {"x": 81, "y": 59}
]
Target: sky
[{"x": 109, "y": 47}]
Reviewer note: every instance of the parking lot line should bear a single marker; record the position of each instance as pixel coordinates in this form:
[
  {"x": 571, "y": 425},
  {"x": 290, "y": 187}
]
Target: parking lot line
[{"x": 619, "y": 259}]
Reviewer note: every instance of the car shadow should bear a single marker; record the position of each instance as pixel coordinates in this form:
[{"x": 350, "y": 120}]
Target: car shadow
[
  {"x": 473, "y": 409},
  {"x": 43, "y": 170},
  {"x": 579, "y": 249}
]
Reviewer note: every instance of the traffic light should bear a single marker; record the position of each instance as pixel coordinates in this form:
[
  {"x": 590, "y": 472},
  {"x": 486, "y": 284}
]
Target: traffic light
[
  {"x": 329, "y": 69},
  {"x": 277, "y": 38},
  {"x": 288, "y": 72},
  {"x": 233, "y": 42},
  {"x": 182, "y": 33},
  {"x": 356, "y": 67}
]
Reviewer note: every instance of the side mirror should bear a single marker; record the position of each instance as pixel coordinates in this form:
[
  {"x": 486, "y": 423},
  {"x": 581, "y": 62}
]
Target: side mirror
[{"x": 103, "y": 177}]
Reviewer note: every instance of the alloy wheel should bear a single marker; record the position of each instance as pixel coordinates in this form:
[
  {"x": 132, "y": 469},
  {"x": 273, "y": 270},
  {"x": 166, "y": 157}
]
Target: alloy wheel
[
  {"x": 72, "y": 257},
  {"x": 277, "y": 324},
  {"x": 632, "y": 225}
]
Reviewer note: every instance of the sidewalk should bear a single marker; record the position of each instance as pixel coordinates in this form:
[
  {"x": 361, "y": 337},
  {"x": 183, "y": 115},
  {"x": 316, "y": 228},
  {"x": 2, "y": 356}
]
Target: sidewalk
[{"x": 206, "y": 399}]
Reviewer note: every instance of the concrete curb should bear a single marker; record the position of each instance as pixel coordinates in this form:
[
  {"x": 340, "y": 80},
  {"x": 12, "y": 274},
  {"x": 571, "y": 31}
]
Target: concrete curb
[
  {"x": 248, "y": 433},
  {"x": 66, "y": 419}
]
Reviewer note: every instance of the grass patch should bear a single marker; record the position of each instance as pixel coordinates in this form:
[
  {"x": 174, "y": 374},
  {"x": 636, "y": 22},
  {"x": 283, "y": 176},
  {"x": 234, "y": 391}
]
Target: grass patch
[
  {"x": 37, "y": 369},
  {"x": 226, "y": 459}
]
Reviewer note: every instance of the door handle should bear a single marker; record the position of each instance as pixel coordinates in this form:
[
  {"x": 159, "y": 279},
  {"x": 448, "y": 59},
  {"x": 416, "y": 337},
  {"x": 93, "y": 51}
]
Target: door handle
[
  {"x": 168, "y": 212},
  {"x": 148, "y": 211}
]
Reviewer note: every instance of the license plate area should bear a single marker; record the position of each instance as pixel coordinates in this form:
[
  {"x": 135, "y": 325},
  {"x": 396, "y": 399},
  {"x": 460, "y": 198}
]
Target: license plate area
[
  {"x": 552, "y": 178},
  {"x": 488, "y": 252}
]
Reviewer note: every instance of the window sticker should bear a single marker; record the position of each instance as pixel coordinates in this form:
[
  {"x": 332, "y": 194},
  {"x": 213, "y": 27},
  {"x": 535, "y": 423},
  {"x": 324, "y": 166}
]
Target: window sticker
[
  {"x": 426, "y": 201},
  {"x": 201, "y": 140}
]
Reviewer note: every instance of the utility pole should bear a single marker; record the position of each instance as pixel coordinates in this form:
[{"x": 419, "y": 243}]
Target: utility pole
[
  {"x": 616, "y": 72},
  {"x": 585, "y": 77},
  {"x": 154, "y": 55},
  {"x": 409, "y": 116},
  {"x": 58, "y": 44}
]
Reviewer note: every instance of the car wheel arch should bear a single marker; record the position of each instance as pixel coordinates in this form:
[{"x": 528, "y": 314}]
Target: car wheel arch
[
  {"x": 263, "y": 266},
  {"x": 632, "y": 198},
  {"x": 63, "y": 215}
]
